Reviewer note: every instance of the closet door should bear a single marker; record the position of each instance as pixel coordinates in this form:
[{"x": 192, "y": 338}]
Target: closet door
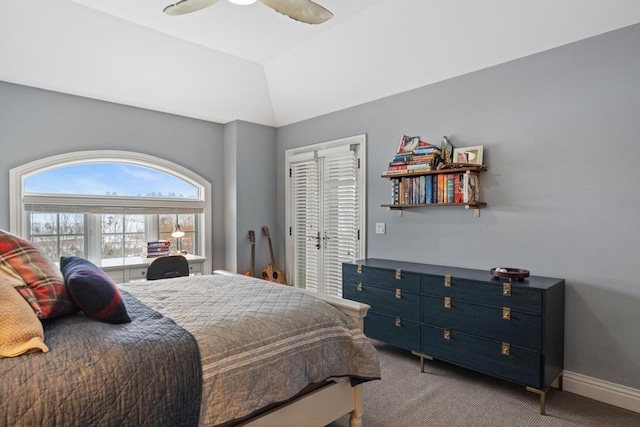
[{"x": 325, "y": 215}]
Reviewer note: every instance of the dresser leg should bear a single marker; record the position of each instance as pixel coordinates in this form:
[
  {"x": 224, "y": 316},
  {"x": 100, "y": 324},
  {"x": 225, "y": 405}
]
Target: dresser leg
[
  {"x": 422, "y": 358},
  {"x": 543, "y": 398},
  {"x": 560, "y": 382}
]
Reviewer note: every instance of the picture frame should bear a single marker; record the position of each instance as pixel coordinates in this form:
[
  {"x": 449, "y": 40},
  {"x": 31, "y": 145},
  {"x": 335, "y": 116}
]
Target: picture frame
[{"x": 468, "y": 155}]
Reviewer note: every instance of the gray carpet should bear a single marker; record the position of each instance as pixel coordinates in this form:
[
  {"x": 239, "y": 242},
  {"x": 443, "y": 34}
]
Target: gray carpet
[{"x": 446, "y": 395}]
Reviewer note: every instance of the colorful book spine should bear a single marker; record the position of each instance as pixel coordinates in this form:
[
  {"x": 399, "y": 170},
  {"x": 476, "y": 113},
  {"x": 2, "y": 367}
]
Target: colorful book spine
[{"x": 450, "y": 188}]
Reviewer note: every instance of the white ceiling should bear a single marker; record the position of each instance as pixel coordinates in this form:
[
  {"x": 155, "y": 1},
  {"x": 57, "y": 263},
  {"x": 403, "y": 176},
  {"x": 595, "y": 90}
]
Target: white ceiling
[{"x": 250, "y": 63}]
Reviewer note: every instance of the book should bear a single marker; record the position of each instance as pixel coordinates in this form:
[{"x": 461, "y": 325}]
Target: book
[
  {"x": 429, "y": 196},
  {"x": 395, "y": 172},
  {"x": 394, "y": 191},
  {"x": 426, "y": 151},
  {"x": 450, "y": 186},
  {"x": 416, "y": 167},
  {"x": 398, "y": 167},
  {"x": 471, "y": 182},
  {"x": 402, "y": 157},
  {"x": 407, "y": 144},
  {"x": 457, "y": 195},
  {"x": 158, "y": 244},
  {"x": 157, "y": 254},
  {"x": 154, "y": 252}
]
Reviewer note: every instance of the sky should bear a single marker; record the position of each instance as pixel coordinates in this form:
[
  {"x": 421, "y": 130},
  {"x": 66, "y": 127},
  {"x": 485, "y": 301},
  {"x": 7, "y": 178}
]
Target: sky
[{"x": 101, "y": 179}]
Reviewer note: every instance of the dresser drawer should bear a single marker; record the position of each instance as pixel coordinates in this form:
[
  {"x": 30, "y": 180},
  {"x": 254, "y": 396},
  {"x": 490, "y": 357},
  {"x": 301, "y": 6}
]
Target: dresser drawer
[
  {"x": 490, "y": 293},
  {"x": 500, "y": 324},
  {"x": 393, "y": 330},
  {"x": 381, "y": 277},
  {"x": 520, "y": 365},
  {"x": 394, "y": 302}
]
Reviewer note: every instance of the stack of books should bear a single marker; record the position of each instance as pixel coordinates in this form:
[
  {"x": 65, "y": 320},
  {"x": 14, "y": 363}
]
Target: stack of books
[
  {"x": 414, "y": 155},
  {"x": 158, "y": 248}
]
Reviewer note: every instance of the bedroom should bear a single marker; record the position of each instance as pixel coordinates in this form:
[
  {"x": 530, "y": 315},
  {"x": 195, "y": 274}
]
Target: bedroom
[{"x": 559, "y": 129}]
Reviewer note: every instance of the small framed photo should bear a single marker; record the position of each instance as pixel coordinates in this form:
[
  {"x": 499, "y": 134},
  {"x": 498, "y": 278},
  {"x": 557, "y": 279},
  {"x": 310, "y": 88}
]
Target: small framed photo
[{"x": 468, "y": 155}]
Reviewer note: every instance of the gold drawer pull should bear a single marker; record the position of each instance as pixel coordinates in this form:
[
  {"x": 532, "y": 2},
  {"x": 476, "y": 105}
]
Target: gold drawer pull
[
  {"x": 399, "y": 293},
  {"x": 447, "y": 281},
  {"x": 506, "y": 289},
  {"x": 447, "y": 334},
  {"x": 359, "y": 286},
  {"x": 506, "y": 347},
  {"x": 398, "y": 322},
  {"x": 447, "y": 302},
  {"x": 398, "y": 274},
  {"x": 359, "y": 269},
  {"x": 506, "y": 313}
]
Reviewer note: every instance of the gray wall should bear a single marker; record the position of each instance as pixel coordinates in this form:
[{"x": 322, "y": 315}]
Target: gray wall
[
  {"x": 561, "y": 134},
  {"x": 250, "y": 184},
  {"x": 560, "y": 131},
  {"x": 36, "y": 123}
]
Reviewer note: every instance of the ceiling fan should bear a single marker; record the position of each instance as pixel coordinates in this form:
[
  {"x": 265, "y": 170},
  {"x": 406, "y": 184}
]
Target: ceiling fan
[{"x": 301, "y": 10}]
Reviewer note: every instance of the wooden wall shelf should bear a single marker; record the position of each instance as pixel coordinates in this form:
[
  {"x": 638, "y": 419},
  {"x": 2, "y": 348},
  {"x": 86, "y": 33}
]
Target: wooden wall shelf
[{"x": 399, "y": 207}]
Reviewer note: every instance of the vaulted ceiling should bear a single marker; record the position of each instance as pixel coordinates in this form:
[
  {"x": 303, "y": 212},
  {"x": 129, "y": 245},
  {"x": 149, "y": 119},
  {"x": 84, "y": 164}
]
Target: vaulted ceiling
[{"x": 229, "y": 62}]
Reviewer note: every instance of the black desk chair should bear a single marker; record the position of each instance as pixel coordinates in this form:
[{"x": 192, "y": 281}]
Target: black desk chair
[{"x": 165, "y": 267}]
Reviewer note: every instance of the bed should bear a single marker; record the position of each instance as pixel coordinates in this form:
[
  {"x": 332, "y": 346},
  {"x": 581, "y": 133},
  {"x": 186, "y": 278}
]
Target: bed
[{"x": 211, "y": 350}]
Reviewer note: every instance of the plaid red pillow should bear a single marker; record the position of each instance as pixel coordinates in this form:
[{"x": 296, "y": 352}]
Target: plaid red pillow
[{"x": 42, "y": 283}]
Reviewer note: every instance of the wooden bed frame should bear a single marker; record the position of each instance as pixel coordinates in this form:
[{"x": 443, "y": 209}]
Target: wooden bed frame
[{"x": 328, "y": 403}]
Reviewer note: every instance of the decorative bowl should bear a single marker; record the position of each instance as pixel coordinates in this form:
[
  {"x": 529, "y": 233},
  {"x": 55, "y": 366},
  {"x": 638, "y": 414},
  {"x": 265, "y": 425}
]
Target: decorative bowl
[{"x": 510, "y": 273}]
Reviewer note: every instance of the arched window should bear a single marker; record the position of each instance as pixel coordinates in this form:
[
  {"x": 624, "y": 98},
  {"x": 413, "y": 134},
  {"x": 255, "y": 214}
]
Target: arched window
[{"x": 108, "y": 204}]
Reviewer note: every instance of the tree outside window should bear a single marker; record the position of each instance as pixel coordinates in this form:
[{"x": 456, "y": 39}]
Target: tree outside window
[{"x": 187, "y": 222}]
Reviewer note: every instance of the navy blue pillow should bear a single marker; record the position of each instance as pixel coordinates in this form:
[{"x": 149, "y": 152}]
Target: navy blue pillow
[{"x": 93, "y": 291}]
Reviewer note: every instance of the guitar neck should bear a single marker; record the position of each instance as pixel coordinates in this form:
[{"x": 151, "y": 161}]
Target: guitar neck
[
  {"x": 253, "y": 259},
  {"x": 273, "y": 260}
]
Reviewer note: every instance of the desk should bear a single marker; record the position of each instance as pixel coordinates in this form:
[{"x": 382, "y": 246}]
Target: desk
[{"x": 122, "y": 270}]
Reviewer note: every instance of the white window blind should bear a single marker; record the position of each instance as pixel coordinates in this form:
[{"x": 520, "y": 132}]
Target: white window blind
[
  {"x": 325, "y": 217},
  {"x": 305, "y": 184},
  {"x": 340, "y": 218},
  {"x": 109, "y": 204}
]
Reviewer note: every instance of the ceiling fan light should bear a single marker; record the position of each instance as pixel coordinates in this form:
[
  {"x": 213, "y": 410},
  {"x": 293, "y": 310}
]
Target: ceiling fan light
[{"x": 243, "y": 2}]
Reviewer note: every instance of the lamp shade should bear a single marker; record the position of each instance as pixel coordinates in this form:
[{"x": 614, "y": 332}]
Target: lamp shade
[{"x": 177, "y": 232}]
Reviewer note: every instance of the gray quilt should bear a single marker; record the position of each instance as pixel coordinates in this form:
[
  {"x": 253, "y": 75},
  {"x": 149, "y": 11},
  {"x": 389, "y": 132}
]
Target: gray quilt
[
  {"x": 143, "y": 373},
  {"x": 260, "y": 342}
]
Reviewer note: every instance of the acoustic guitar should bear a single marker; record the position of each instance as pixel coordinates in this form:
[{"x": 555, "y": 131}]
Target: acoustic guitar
[
  {"x": 252, "y": 238},
  {"x": 271, "y": 272}
]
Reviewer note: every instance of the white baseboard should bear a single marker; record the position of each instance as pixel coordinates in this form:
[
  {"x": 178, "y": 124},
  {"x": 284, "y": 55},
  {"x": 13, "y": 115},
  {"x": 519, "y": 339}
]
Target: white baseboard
[{"x": 603, "y": 391}]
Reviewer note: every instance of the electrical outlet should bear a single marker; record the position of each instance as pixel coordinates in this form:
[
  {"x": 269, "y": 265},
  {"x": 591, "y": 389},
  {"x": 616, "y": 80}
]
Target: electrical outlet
[{"x": 380, "y": 228}]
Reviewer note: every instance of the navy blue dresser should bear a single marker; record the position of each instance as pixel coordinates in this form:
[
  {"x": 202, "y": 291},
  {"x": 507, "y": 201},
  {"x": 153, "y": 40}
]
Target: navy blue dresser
[{"x": 512, "y": 330}]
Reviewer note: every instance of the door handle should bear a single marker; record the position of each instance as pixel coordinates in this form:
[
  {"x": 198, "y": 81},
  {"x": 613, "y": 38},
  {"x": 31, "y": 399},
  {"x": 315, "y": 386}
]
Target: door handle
[{"x": 317, "y": 239}]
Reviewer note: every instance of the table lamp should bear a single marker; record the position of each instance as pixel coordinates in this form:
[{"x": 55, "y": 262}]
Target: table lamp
[{"x": 178, "y": 234}]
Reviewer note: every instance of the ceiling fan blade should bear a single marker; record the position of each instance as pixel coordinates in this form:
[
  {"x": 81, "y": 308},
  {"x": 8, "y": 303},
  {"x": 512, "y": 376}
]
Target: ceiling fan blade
[
  {"x": 301, "y": 10},
  {"x": 187, "y": 6}
]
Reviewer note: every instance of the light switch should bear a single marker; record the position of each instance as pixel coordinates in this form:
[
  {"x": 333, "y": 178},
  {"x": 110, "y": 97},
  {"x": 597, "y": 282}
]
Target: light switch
[{"x": 380, "y": 228}]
